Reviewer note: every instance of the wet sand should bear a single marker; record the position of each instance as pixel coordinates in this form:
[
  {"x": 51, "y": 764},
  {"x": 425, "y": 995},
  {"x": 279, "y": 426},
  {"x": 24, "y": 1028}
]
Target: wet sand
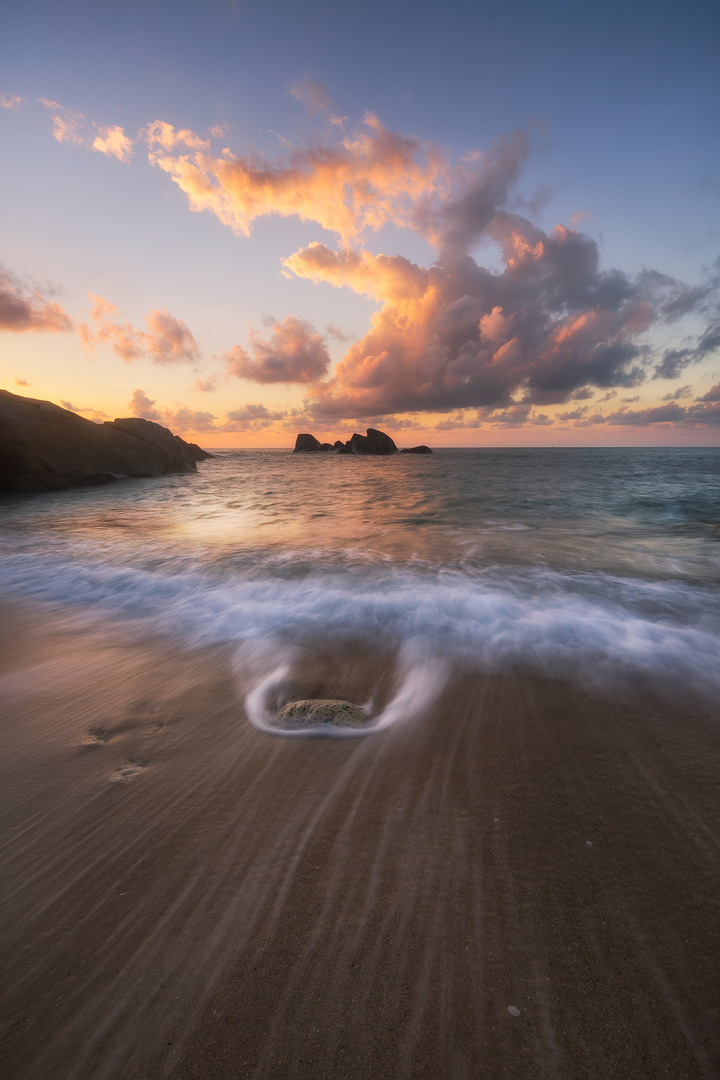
[{"x": 525, "y": 882}]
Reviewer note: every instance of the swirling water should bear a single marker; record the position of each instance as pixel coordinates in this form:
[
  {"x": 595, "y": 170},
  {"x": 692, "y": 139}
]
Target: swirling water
[{"x": 595, "y": 564}]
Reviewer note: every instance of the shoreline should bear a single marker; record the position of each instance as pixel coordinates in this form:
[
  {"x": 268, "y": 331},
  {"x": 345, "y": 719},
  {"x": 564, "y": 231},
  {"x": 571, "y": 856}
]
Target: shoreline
[{"x": 187, "y": 897}]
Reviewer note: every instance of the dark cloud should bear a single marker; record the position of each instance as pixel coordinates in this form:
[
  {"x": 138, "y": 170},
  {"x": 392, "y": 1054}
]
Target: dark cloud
[
  {"x": 682, "y": 391},
  {"x": 675, "y": 361},
  {"x": 295, "y": 353},
  {"x": 22, "y": 309}
]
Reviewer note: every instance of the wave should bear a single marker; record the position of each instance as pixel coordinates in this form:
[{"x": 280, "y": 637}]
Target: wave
[{"x": 591, "y": 627}]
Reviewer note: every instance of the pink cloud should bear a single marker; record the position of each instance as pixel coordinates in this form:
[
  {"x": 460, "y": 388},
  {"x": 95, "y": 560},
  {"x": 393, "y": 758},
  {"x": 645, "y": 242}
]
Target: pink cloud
[
  {"x": 295, "y": 353},
  {"x": 166, "y": 341},
  {"x": 22, "y": 310}
]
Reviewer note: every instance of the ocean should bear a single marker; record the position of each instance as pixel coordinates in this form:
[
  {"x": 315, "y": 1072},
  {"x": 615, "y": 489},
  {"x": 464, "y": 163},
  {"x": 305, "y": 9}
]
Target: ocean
[{"x": 597, "y": 565}]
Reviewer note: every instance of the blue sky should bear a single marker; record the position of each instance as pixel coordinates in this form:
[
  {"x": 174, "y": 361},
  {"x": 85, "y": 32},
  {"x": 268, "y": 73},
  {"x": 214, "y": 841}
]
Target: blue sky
[{"x": 619, "y": 110}]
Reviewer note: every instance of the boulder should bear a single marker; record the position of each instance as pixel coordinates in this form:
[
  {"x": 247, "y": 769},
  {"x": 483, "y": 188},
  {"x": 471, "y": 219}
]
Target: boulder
[
  {"x": 374, "y": 442},
  {"x": 46, "y": 448},
  {"x": 316, "y": 712},
  {"x": 306, "y": 444}
]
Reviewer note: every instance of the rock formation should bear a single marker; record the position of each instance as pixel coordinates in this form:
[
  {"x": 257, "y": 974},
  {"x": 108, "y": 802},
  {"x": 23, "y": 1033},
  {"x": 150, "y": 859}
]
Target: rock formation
[
  {"x": 315, "y": 712},
  {"x": 373, "y": 442},
  {"x": 46, "y": 448}
]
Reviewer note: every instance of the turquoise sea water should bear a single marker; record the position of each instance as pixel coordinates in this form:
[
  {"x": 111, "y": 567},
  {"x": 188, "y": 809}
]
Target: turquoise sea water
[{"x": 601, "y": 565}]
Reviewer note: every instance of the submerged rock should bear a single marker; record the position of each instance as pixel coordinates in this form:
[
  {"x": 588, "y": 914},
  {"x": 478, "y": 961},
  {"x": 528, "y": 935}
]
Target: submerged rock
[
  {"x": 46, "y": 448},
  {"x": 314, "y": 712}
]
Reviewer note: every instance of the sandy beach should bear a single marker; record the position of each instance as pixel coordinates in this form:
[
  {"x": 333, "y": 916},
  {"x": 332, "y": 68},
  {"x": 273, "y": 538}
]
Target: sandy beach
[{"x": 521, "y": 883}]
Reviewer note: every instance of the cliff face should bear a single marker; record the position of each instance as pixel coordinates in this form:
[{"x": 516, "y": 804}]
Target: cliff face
[{"x": 46, "y": 448}]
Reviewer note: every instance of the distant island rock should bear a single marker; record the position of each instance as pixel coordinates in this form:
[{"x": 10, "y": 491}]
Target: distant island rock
[
  {"x": 373, "y": 442},
  {"x": 46, "y": 448}
]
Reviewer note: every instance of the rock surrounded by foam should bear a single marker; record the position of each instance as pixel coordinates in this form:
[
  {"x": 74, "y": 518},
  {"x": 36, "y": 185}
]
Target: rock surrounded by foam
[{"x": 316, "y": 712}]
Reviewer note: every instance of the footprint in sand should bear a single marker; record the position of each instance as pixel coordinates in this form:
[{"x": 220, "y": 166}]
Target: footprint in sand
[{"x": 127, "y": 772}]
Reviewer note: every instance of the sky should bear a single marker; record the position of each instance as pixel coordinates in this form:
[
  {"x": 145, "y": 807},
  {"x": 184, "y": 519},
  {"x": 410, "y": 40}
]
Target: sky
[{"x": 473, "y": 224}]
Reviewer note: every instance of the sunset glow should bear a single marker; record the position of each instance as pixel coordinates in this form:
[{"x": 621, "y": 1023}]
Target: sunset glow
[{"x": 310, "y": 255}]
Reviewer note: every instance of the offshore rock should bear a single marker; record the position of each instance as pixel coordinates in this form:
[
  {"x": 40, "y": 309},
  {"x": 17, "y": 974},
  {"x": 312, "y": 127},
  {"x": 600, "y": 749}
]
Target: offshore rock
[
  {"x": 306, "y": 444},
  {"x": 374, "y": 442},
  {"x": 314, "y": 712},
  {"x": 46, "y": 448}
]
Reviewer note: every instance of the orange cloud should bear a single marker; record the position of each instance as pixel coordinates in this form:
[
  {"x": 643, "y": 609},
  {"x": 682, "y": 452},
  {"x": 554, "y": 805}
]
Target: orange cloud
[
  {"x": 22, "y": 310},
  {"x": 384, "y": 277},
  {"x": 73, "y": 127},
  {"x": 114, "y": 142},
  {"x": 166, "y": 341},
  {"x": 361, "y": 183},
  {"x": 14, "y": 101}
]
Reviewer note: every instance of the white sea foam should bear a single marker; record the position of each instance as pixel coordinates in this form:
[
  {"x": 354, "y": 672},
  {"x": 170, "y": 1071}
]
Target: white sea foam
[
  {"x": 419, "y": 682},
  {"x": 591, "y": 627}
]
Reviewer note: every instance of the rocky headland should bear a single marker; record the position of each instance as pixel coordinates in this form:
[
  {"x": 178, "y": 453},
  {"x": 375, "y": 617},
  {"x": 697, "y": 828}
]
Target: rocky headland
[
  {"x": 373, "y": 442},
  {"x": 46, "y": 448}
]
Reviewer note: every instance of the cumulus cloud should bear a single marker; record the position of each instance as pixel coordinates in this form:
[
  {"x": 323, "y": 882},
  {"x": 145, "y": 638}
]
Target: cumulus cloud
[
  {"x": 166, "y": 341},
  {"x": 141, "y": 405},
  {"x": 22, "y": 382},
  {"x": 550, "y": 326},
  {"x": 295, "y": 353},
  {"x": 23, "y": 308},
  {"x": 361, "y": 182}
]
